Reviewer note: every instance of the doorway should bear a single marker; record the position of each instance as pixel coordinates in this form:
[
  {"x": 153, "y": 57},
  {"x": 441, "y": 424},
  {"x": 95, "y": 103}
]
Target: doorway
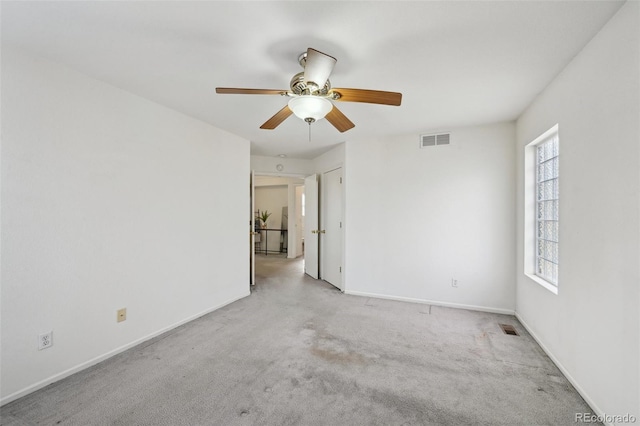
[
  {"x": 304, "y": 217},
  {"x": 276, "y": 218}
]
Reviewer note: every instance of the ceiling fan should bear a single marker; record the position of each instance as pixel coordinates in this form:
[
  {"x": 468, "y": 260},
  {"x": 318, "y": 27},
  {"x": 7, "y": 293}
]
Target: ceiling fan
[{"x": 311, "y": 94}]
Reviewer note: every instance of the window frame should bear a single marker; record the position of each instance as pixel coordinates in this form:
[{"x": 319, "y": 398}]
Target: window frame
[
  {"x": 531, "y": 205},
  {"x": 547, "y": 209}
]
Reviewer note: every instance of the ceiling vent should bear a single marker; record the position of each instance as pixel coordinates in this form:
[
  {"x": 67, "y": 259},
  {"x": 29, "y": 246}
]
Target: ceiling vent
[{"x": 427, "y": 141}]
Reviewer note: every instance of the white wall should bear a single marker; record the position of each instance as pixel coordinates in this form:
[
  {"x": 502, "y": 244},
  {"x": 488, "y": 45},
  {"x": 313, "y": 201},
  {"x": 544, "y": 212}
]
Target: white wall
[
  {"x": 276, "y": 180},
  {"x": 591, "y": 327},
  {"x": 295, "y": 230},
  {"x": 416, "y": 218},
  {"x": 329, "y": 160},
  {"x": 108, "y": 201},
  {"x": 292, "y": 166}
]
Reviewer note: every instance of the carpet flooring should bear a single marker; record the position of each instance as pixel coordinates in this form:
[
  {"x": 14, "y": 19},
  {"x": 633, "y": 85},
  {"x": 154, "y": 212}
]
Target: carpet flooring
[{"x": 300, "y": 352}]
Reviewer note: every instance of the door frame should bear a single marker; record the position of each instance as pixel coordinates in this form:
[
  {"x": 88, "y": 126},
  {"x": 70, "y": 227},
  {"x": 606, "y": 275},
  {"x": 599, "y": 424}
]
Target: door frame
[
  {"x": 252, "y": 227},
  {"x": 257, "y": 174},
  {"x": 312, "y": 227}
]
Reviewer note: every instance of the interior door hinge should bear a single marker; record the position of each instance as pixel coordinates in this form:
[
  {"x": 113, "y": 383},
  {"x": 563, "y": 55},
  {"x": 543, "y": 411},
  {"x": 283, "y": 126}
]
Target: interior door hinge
[
  {"x": 340, "y": 180},
  {"x": 340, "y": 224},
  {"x": 341, "y": 269}
]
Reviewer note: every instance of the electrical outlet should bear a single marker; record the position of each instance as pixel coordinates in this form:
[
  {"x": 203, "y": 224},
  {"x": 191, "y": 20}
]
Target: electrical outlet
[
  {"x": 45, "y": 340},
  {"x": 122, "y": 314},
  {"x": 454, "y": 282}
]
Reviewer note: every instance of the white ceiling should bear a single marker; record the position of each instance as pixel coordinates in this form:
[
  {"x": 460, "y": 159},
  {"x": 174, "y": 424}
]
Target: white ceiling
[{"x": 456, "y": 63}]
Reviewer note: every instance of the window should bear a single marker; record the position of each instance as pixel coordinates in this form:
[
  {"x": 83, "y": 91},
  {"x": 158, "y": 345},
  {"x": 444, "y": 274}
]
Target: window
[
  {"x": 547, "y": 199},
  {"x": 541, "y": 209}
]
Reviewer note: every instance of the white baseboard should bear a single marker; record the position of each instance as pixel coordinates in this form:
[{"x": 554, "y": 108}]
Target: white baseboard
[
  {"x": 433, "y": 302},
  {"x": 56, "y": 377},
  {"x": 564, "y": 371}
]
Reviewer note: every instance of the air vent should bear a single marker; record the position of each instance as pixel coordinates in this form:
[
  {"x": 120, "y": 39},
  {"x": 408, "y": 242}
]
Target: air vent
[
  {"x": 435, "y": 140},
  {"x": 509, "y": 329},
  {"x": 427, "y": 140},
  {"x": 442, "y": 139}
]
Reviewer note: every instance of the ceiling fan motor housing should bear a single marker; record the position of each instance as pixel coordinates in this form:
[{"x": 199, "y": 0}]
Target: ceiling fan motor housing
[{"x": 300, "y": 87}]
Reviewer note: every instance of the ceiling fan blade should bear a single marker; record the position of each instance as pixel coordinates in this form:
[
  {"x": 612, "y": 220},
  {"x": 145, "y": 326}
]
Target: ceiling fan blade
[
  {"x": 278, "y": 118},
  {"x": 339, "y": 120},
  {"x": 236, "y": 91},
  {"x": 318, "y": 67},
  {"x": 369, "y": 96}
]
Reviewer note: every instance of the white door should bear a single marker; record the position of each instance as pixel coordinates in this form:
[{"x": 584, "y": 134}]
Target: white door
[
  {"x": 311, "y": 225},
  {"x": 299, "y": 223},
  {"x": 252, "y": 234},
  {"x": 331, "y": 228}
]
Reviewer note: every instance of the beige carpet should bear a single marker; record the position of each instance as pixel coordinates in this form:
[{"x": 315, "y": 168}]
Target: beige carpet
[{"x": 299, "y": 352}]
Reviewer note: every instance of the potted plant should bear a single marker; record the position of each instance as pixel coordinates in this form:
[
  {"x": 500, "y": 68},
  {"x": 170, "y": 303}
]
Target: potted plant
[{"x": 263, "y": 218}]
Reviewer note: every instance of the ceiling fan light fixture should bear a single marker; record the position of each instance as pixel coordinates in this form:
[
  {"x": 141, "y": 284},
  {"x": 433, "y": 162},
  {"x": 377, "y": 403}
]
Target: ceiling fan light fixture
[
  {"x": 310, "y": 108},
  {"x": 312, "y": 96}
]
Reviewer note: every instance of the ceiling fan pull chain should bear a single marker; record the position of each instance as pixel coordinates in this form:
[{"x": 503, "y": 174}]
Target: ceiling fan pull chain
[{"x": 309, "y": 131}]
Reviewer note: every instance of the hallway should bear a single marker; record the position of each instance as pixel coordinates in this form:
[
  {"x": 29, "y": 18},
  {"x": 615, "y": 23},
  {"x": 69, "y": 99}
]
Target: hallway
[{"x": 299, "y": 352}]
